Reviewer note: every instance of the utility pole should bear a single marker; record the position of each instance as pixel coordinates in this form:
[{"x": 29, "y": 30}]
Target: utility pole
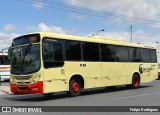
[{"x": 131, "y": 34}]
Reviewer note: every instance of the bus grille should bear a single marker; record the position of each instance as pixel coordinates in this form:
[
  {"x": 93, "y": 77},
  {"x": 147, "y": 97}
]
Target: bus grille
[{"x": 22, "y": 77}]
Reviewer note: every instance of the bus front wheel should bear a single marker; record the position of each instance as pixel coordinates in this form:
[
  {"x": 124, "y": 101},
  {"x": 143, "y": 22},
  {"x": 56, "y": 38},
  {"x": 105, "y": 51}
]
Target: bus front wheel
[
  {"x": 135, "y": 81},
  {"x": 74, "y": 87}
]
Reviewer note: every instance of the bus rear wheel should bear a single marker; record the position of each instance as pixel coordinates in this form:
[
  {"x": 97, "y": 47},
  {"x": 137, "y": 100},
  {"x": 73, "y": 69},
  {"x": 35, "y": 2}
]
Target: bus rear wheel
[
  {"x": 135, "y": 81},
  {"x": 74, "y": 87}
]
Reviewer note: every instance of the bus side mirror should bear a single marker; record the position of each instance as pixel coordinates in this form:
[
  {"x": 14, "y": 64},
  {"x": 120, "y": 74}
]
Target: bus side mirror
[{"x": 9, "y": 53}]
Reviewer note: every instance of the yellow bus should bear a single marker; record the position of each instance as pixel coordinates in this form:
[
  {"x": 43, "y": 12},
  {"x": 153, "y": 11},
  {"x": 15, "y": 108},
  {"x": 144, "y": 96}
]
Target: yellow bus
[{"x": 48, "y": 62}]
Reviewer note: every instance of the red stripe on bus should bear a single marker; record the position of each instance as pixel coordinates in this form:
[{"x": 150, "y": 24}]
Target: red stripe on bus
[{"x": 27, "y": 89}]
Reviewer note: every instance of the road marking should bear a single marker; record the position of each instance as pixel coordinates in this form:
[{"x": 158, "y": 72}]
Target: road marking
[{"x": 136, "y": 96}]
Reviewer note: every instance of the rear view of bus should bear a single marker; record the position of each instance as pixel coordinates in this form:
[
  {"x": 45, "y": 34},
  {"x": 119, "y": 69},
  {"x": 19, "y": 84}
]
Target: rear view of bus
[{"x": 4, "y": 67}]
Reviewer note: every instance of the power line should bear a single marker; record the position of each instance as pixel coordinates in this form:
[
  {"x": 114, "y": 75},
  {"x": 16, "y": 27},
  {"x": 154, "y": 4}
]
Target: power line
[
  {"x": 103, "y": 13},
  {"x": 70, "y": 8},
  {"x": 88, "y": 11}
]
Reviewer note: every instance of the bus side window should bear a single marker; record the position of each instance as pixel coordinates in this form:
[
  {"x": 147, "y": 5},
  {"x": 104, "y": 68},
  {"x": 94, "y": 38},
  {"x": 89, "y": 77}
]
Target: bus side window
[
  {"x": 53, "y": 55},
  {"x": 107, "y": 53},
  {"x": 145, "y": 55},
  {"x": 90, "y": 51},
  {"x": 73, "y": 50},
  {"x": 121, "y": 54},
  {"x": 134, "y": 54},
  {"x": 48, "y": 52},
  {"x": 153, "y": 55}
]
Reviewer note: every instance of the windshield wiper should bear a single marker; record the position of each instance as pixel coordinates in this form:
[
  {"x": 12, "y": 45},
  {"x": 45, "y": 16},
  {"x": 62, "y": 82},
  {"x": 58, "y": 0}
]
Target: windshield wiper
[
  {"x": 25, "y": 53},
  {"x": 27, "y": 49}
]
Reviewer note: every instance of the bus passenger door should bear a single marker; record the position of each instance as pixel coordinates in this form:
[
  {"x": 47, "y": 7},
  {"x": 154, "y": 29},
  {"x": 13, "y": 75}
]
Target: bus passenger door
[
  {"x": 53, "y": 62},
  {"x": 54, "y": 80}
]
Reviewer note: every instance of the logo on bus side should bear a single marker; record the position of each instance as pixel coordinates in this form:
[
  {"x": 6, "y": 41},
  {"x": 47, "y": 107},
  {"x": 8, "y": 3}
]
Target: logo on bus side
[{"x": 146, "y": 69}]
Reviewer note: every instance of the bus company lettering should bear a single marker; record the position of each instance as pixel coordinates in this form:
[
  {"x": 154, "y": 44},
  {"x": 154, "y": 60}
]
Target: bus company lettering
[{"x": 143, "y": 69}]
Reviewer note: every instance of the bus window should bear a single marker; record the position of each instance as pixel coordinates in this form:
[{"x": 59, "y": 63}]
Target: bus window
[
  {"x": 145, "y": 55},
  {"x": 153, "y": 56},
  {"x": 107, "y": 53},
  {"x": 121, "y": 54},
  {"x": 90, "y": 51},
  {"x": 134, "y": 54},
  {"x": 73, "y": 50},
  {"x": 52, "y": 55}
]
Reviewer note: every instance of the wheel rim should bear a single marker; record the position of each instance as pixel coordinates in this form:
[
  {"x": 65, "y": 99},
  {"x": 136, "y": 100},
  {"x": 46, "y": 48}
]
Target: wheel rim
[
  {"x": 75, "y": 87},
  {"x": 136, "y": 82}
]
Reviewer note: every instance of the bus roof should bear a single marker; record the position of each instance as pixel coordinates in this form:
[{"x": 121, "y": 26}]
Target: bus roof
[{"x": 96, "y": 39}]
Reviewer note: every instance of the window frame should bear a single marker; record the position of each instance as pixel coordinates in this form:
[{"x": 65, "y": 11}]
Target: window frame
[
  {"x": 153, "y": 61},
  {"x": 144, "y": 55},
  {"x": 81, "y": 53},
  {"x": 116, "y": 47},
  {"x": 113, "y": 50},
  {"x": 49, "y": 64},
  {"x": 98, "y": 60}
]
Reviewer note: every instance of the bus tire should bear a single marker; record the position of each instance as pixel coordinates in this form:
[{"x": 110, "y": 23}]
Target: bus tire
[
  {"x": 74, "y": 87},
  {"x": 135, "y": 81}
]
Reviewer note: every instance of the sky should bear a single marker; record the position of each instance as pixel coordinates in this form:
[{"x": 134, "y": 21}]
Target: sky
[{"x": 82, "y": 18}]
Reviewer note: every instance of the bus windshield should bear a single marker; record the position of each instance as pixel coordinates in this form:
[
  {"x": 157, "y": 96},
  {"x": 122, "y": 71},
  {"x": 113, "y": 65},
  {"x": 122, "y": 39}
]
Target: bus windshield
[{"x": 25, "y": 59}]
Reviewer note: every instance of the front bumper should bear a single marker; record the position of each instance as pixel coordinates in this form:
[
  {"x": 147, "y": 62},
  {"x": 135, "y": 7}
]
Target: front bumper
[{"x": 27, "y": 89}]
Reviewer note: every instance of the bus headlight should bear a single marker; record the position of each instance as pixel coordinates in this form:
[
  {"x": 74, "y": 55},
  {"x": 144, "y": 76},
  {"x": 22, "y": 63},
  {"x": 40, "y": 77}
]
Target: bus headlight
[
  {"x": 36, "y": 78},
  {"x": 12, "y": 80}
]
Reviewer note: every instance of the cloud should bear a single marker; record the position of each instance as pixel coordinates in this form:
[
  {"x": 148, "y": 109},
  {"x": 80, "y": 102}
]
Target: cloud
[
  {"x": 6, "y": 39},
  {"x": 77, "y": 16},
  {"x": 139, "y": 36},
  {"x": 9, "y": 27},
  {"x": 39, "y": 4},
  {"x": 42, "y": 27},
  {"x": 147, "y": 9}
]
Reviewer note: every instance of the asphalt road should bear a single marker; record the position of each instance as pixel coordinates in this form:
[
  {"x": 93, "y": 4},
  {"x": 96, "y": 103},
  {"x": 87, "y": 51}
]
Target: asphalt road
[{"x": 147, "y": 95}]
